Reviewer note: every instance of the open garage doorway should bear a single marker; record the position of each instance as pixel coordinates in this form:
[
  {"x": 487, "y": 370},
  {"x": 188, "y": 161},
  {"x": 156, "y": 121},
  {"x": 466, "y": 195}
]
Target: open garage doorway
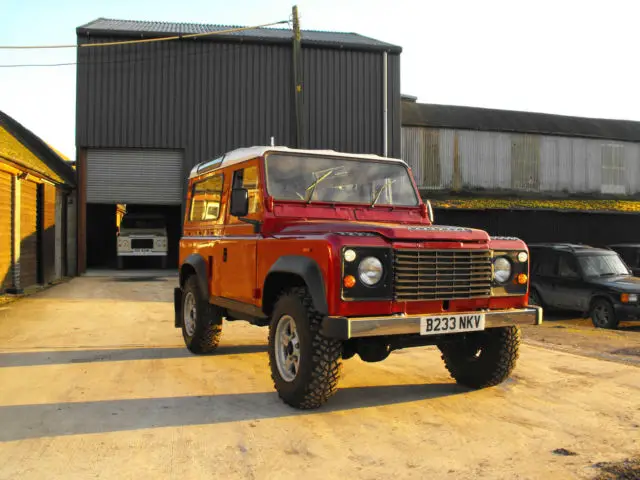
[{"x": 103, "y": 221}]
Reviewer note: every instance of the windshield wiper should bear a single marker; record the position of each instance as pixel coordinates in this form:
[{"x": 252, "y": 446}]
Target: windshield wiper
[
  {"x": 387, "y": 183},
  {"x": 608, "y": 274},
  {"x": 313, "y": 186}
]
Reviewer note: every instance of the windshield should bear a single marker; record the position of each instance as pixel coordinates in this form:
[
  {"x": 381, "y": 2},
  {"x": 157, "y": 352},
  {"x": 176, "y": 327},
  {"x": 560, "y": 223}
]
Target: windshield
[
  {"x": 313, "y": 178},
  {"x": 602, "y": 265},
  {"x": 141, "y": 222}
]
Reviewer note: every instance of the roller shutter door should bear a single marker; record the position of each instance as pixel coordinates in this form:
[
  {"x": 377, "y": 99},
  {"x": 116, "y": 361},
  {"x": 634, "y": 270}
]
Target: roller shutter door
[
  {"x": 28, "y": 234},
  {"x": 148, "y": 177},
  {"x": 6, "y": 272}
]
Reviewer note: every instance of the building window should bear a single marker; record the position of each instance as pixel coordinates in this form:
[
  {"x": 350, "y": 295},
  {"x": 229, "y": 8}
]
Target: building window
[
  {"x": 205, "y": 199},
  {"x": 613, "y": 170}
]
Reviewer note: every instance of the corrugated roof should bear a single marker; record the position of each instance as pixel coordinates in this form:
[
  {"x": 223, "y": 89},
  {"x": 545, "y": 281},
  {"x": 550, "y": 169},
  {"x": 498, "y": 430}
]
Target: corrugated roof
[
  {"x": 21, "y": 146},
  {"x": 134, "y": 28},
  {"x": 473, "y": 118}
]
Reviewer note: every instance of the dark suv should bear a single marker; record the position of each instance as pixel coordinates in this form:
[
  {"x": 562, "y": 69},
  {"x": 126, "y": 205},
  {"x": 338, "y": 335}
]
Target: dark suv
[
  {"x": 593, "y": 281},
  {"x": 630, "y": 253}
]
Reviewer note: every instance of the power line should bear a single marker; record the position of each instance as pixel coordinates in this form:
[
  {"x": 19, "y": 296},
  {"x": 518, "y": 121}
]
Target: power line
[
  {"x": 136, "y": 58},
  {"x": 38, "y": 65},
  {"x": 146, "y": 40}
]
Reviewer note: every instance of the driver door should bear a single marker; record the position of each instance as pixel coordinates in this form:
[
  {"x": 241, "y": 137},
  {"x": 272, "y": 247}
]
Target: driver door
[{"x": 238, "y": 268}]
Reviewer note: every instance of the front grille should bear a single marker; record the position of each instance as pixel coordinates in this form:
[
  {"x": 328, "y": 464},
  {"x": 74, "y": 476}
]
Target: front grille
[
  {"x": 142, "y": 243},
  {"x": 441, "y": 274}
]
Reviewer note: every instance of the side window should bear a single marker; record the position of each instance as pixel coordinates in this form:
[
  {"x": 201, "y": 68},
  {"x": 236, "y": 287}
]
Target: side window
[
  {"x": 567, "y": 267},
  {"x": 248, "y": 178},
  {"x": 205, "y": 199}
]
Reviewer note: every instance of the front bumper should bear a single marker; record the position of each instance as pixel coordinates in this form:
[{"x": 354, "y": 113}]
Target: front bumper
[
  {"x": 345, "y": 328},
  {"x": 627, "y": 311}
]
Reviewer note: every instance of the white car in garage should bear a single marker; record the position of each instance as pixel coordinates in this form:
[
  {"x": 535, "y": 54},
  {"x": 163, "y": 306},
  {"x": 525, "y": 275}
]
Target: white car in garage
[{"x": 142, "y": 235}]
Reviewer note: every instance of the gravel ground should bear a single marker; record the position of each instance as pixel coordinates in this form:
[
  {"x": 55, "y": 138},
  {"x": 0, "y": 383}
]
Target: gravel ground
[{"x": 97, "y": 384}]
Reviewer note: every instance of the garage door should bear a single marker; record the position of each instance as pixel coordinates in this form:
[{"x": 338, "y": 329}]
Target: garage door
[
  {"x": 5, "y": 231},
  {"x": 135, "y": 176},
  {"x": 28, "y": 234}
]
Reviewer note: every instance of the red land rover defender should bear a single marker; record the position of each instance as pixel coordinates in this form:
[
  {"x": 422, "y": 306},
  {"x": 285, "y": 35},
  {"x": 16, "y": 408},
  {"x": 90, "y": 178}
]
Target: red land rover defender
[{"x": 339, "y": 256}]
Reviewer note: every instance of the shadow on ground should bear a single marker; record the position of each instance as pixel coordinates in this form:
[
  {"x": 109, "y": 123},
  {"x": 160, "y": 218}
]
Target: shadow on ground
[
  {"x": 61, "y": 357},
  {"x": 35, "y": 421}
]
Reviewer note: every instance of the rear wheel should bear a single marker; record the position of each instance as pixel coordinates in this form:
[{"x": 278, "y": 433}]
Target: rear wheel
[
  {"x": 201, "y": 321},
  {"x": 483, "y": 359},
  {"x": 602, "y": 314},
  {"x": 305, "y": 365}
]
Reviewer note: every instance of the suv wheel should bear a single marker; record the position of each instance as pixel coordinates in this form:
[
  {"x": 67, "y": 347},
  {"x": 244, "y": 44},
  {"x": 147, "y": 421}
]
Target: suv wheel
[
  {"x": 305, "y": 365},
  {"x": 483, "y": 359},
  {"x": 201, "y": 321},
  {"x": 603, "y": 314}
]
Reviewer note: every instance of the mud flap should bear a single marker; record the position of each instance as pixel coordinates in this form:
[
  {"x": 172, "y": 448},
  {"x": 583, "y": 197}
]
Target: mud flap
[{"x": 177, "y": 306}]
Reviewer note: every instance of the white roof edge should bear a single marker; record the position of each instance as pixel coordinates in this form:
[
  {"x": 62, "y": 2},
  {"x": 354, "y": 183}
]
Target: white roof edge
[{"x": 242, "y": 154}]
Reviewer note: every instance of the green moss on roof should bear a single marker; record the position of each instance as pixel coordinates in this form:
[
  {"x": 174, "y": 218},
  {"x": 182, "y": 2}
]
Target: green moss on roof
[
  {"x": 13, "y": 150},
  {"x": 539, "y": 204}
]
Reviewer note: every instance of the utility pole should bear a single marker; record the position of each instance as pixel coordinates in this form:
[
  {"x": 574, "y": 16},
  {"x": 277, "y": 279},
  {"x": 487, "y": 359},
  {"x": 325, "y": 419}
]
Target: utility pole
[{"x": 297, "y": 79}]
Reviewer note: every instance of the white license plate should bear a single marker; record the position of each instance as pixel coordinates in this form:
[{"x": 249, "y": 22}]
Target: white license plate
[{"x": 439, "y": 324}]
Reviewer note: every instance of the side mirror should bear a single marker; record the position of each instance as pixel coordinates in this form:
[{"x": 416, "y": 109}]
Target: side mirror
[{"x": 239, "y": 202}]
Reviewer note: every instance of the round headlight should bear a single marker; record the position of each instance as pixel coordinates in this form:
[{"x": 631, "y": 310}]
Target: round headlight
[
  {"x": 370, "y": 271},
  {"x": 501, "y": 270},
  {"x": 349, "y": 255},
  {"x": 523, "y": 257}
]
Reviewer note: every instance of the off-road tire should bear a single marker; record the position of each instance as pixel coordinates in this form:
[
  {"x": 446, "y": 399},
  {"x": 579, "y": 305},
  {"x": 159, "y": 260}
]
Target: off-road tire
[
  {"x": 483, "y": 359},
  {"x": 612, "y": 321},
  {"x": 206, "y": 337},
  {"x": 320, "y": 357}
]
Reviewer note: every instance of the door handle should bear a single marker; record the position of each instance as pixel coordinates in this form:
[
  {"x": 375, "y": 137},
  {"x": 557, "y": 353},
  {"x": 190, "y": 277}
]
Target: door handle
[{"x": 224, "y": 254}]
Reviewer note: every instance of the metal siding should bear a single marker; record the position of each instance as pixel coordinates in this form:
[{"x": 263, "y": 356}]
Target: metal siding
[
  {"x": 343, "y": 100},
  {"x": 486, "y": 160},
  {"x": 6, "y": 228},
  {"x": 395, "y": 106},
  {"x": 28, "y": 234},
  {"x": 135, "y": 176},
  {"x": 207, "y": 98}
]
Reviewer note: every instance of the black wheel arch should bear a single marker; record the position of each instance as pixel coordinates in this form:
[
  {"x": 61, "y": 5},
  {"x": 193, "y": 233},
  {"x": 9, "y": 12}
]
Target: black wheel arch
[
  {"x": 194, "y": 264},
  {"x": 294, "y": 271}
]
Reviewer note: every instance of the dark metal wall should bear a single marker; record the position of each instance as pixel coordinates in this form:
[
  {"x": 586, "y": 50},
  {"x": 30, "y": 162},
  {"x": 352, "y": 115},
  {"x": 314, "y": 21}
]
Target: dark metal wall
[
  {"x": 208, "y": 97},
  {"x": 533, "y": 226}
]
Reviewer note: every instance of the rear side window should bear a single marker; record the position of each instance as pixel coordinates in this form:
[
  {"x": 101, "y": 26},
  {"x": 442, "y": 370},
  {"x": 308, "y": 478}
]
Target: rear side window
[{"x": 205, "y": 199}]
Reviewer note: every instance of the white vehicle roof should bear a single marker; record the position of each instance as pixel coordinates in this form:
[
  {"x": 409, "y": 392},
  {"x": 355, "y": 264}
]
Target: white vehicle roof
[{"x": 242, "y": 154}]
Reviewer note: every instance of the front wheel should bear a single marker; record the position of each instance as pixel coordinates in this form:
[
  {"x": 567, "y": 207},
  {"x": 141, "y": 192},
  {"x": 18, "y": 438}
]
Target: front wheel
[
  {"x": 201, "y": 321},
  {"x": 603, "y": 315},
  {"x": 483, "y": 359},
  {"x": 305, "y": 365}
]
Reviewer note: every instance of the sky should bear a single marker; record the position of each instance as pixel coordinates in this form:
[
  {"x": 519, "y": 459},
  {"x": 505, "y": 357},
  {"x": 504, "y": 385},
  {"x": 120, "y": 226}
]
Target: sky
[{"x": 565, "y": 57}]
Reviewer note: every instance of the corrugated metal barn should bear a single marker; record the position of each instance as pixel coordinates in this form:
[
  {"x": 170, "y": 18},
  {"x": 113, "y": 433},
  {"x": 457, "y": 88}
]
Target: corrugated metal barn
[
  {"x": 518, "y": 173},
  {"x": 146, "y": 113}
]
